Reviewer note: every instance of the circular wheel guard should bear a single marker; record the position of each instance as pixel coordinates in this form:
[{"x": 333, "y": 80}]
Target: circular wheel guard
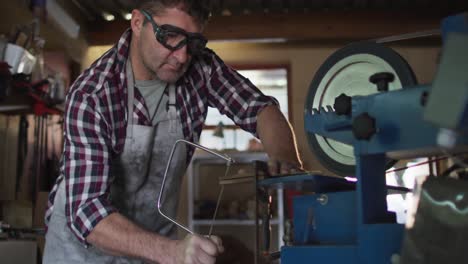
[{"x": 348, "y": 71}]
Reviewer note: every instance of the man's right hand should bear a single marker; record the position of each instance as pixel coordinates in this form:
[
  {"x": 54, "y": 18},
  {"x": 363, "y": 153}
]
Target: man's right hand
[{"x": 195, "y": 249}]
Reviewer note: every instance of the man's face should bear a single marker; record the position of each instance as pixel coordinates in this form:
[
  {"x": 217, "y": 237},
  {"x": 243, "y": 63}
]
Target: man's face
[{"x": 159, "y": 61}]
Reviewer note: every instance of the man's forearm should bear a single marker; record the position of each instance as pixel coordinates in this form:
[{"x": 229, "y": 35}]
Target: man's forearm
[
  {"x": 277, "y": 136},
  {"x": 119, "y": 236}
]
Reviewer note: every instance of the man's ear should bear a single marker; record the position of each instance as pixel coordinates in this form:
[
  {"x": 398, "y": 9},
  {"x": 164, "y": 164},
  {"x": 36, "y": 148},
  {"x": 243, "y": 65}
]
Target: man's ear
[{"x": 137, "y": 22}]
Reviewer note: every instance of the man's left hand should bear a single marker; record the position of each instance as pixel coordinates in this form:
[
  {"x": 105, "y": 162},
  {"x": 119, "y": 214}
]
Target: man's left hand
[{"x": 279, "y": 167}]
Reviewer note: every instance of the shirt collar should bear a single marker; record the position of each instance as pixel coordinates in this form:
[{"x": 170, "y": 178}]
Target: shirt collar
[{"x": 122, "y": 52}]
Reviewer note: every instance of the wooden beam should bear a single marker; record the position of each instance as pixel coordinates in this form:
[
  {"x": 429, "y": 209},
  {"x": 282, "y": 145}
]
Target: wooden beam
[{"x": 317, "y": 26}]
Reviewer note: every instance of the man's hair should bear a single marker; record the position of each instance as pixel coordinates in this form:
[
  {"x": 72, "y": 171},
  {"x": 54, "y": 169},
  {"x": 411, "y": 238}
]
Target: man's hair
[{"x": 198, "y": 9}]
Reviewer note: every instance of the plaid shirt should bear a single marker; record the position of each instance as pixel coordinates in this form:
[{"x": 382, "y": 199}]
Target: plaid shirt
[{"x": 96, "y": 119}]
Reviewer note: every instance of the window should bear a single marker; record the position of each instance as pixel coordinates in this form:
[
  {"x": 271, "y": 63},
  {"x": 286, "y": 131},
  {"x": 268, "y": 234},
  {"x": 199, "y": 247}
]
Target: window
[
  {"x": 221, "y": 133},
  {"x": 405, "y": 174}
]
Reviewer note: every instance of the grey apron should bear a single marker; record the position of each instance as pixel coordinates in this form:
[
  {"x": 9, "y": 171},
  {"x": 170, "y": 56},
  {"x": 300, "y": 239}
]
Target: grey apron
[{"x": 137, "y": 176}]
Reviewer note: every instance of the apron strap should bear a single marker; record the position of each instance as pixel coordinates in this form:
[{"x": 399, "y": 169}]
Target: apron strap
[
  {"x": 172, "y": 112},
  {"x": 131, "y": 97}
]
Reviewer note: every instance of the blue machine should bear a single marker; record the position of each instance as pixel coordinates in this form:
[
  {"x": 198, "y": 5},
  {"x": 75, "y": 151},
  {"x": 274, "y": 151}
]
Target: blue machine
[{"x": 348, "y": 222}]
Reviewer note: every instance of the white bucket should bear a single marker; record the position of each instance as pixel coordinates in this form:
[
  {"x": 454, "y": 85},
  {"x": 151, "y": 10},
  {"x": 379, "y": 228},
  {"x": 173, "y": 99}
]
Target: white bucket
[{"x": 20, "y": 60}]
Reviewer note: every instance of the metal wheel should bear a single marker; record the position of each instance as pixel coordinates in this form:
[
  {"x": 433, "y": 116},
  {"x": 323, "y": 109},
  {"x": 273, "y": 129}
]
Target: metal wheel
[{"x": 348, "y": 71}]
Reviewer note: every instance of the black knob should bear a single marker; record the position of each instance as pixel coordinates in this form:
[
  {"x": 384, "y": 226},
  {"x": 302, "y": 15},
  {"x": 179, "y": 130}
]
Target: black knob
[
  {"x": 342, "y": 104},
  {"x": 382, "y": 79},
  {"x": 364, "y": 126},
  {"x": 424, "y": 98}
]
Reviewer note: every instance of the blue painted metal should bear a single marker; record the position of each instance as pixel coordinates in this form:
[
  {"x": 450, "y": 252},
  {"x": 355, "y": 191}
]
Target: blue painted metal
[
  {"x": 401, "y": 133},
  {"x": 371, "y": 190},
  {"x": 309, "y": 182},
  {"x": 374, "y": 230},
  {"x": 347, "y": 254},
  {"x": 354, "y": 226},
  {"x": 377, "y": 243},
  {"x": 313, "y": 224},
  {"x": 322, "y": 126}
]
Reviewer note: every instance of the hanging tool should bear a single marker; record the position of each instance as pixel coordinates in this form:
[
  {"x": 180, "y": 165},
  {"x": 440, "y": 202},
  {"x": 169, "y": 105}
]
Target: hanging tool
[
  {"x": 34, "y": 167},
  {"x": 22, "y": 149},
  {"x": 5, "y": 80}
]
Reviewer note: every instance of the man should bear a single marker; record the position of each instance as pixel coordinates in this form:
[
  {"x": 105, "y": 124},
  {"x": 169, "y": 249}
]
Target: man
[{"x": 122, "y": 117}]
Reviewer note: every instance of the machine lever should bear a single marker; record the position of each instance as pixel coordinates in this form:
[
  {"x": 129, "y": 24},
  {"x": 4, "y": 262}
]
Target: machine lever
[
  {"x": 343, "y": 104},
  {"x": 364, "y": 127},
  {"x": 382, "y": 79}
]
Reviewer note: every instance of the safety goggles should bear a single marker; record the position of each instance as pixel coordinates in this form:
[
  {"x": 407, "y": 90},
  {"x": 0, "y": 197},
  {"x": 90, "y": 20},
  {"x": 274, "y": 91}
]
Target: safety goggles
[{"x": 174, "y": 38}]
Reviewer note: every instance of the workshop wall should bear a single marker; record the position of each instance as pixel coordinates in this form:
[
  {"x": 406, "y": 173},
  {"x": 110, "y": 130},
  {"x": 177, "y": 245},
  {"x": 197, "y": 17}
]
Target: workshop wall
[{"x": 304, "y": 61}]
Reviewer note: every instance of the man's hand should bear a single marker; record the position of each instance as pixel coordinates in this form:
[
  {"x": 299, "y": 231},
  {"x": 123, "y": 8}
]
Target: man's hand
[
  {"x": 195, "y": 249},
  {"x": 277, "y": 166}
]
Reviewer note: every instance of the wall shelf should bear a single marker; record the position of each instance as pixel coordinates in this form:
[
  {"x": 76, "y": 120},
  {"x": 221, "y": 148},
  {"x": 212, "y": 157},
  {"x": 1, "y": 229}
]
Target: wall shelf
[
  {"x": 28, "y": 104},
  {"x": 12, "y": 108}
]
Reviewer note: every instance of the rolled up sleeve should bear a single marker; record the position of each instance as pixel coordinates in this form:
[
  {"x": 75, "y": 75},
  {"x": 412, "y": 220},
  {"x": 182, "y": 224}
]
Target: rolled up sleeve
[
  {"x": 86, "y": 164},
  {"x": 235, "y": 96}
]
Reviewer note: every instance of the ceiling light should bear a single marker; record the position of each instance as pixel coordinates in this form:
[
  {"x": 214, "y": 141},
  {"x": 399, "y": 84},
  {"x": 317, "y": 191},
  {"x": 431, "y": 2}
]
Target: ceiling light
[
  {"x": 127, "y": 15},
  {"x": 108, "y": 16},
  {"x": 226, "y": 12}
]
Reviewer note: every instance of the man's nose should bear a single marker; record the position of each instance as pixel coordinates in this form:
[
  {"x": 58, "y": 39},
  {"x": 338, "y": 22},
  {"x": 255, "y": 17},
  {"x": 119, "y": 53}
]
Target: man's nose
[{"x": 181, "y": 54}]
